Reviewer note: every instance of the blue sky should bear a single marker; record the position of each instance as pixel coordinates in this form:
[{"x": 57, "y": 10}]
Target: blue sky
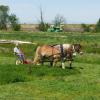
[{"x": 75, "y": 11}]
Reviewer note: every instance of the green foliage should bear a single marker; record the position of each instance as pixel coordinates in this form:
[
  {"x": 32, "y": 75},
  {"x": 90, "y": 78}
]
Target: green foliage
[
  {"x": 6, "y": 19},
  {"x": 16, "y": 27},
  {"x": 97, "y": 28},
  {"x": 85, "y": 27},
  {"x": 3, "y": 17},
  {"x": 14, "y": 22},
  {"x": 43, "y": 26}
]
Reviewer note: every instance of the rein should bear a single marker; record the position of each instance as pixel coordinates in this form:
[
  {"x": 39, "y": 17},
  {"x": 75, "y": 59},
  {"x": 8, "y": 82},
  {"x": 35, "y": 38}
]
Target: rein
[{"x": 62, "y": 52}]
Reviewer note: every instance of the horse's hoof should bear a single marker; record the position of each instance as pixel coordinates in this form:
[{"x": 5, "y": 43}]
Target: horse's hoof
[
  {"x": 38, "y": 64},
  {"x": 70, "y": 67}
]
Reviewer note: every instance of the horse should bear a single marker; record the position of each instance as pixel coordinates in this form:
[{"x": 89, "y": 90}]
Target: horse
[
  {"x": 69, "y": 50},
  {"x": 56, "y": 53},
  {"x": 76, "y": 48},
  {"x": 46, "y": 51}
]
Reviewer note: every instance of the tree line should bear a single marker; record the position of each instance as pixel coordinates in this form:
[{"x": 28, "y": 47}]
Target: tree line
[
  {"x": 92, "y": 27},
  {"x": 12, "y": 20}
]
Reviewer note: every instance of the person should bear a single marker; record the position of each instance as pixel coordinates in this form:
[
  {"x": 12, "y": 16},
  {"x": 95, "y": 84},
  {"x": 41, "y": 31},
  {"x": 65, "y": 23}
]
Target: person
[{"x": 19, "y": 53}]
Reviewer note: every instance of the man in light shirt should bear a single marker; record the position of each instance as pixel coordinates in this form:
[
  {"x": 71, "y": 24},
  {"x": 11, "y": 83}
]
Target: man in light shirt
[{"x": 19, "y": 53}]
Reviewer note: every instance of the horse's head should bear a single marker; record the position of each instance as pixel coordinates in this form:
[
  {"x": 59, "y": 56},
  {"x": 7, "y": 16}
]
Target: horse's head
[{"x": 77, "y": 48}]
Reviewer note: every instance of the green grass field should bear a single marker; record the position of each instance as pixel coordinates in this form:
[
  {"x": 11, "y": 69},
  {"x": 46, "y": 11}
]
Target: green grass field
[{"x": 47, "y": 83}]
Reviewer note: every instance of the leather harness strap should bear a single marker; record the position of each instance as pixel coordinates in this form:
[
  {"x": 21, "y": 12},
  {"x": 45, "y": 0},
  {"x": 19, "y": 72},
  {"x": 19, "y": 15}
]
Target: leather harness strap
[{"x": 62, "y": 52}]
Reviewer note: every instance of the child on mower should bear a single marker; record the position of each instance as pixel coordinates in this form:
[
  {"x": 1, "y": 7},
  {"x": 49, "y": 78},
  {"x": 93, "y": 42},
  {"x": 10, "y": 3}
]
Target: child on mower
[{"x": 19, "y": 53}]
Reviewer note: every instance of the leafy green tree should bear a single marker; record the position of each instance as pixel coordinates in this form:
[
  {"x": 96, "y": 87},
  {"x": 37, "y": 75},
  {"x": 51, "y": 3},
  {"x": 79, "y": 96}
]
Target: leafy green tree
[
  {"x": 97, "y": 27},
  {"x": 4, "y": 16},
  {"x": 14, "y": 22}
]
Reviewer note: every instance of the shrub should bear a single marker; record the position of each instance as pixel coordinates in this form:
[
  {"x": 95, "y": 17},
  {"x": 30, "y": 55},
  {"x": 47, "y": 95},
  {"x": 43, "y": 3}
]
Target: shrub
[
  {"x": 16, "y": 27},
  {"x": 97, "y": 28},
  {"x": 85, "y": 27},
  {"x": 43, "y": 26}
]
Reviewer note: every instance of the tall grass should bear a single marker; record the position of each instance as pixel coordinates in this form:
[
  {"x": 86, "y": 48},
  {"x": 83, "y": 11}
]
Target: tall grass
[
  {"x": 12, "y": 74},
  {"x": 90, "y": 41},
  {"x": 50, "y": 83}
]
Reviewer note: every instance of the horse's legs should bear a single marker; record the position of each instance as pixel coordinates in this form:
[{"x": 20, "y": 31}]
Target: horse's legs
[
  {"x": 54, "y": 62},
  {"x": 51, "y": 63},
  {"x": 37, "y": 56},
  {"x": 70, "y": 59},
  {"x": 63, "y": 65},
  {"x": 36, "y": 60},
  {"x": 70, "y": 64},
  {"x": 42, "y": 60}
]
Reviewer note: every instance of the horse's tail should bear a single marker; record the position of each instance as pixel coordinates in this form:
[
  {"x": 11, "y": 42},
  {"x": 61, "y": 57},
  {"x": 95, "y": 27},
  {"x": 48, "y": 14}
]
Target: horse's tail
[{"x": 37, "y": 55}]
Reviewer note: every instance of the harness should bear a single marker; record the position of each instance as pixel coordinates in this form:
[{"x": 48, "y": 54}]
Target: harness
[
  {"x": 51, "y": 56},
  {"x": 62, "y": 52}
]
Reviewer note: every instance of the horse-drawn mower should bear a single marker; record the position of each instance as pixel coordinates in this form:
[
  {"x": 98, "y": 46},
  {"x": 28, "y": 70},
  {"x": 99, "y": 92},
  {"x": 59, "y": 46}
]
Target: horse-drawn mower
[{"x": 26, "y": 61}]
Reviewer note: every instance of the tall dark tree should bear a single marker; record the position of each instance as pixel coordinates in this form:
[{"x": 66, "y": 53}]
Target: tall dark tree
[
  {"x": 97, "y": 28},
  {"x": 4, "y": 16},
  {"x": 42, "y": 25}
]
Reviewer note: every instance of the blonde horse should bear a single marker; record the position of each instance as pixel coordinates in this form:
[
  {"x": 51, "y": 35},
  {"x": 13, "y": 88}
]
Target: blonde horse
[{"x": 46, "y": 51}]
